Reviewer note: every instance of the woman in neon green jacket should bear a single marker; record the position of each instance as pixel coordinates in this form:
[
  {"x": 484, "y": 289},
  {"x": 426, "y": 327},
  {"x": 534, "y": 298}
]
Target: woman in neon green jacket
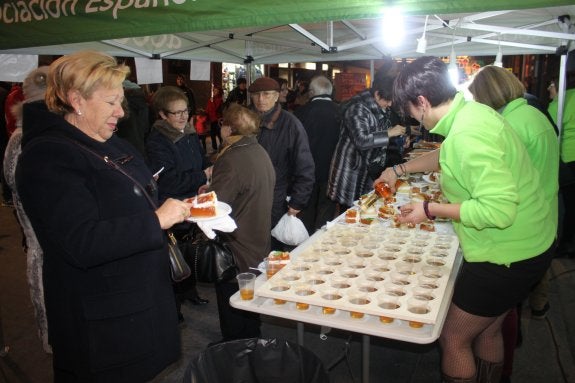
[
  {"x": 500, "y": 89},
  {"x": 504, "y": 225},
  {"x": 567, "y": 173}
]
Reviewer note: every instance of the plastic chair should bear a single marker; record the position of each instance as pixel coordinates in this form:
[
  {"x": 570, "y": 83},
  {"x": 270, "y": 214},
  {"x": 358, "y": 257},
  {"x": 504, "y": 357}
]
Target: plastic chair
[{"x": 256, "y": 360}]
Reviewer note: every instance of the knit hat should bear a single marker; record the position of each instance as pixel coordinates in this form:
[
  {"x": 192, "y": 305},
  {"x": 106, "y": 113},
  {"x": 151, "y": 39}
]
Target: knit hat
[
  {"x": 34, "y": 85},
  {"x": 264, "y": 83}
]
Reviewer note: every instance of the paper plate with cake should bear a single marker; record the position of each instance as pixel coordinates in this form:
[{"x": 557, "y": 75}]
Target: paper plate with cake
[{"x": 206, "y": 207}]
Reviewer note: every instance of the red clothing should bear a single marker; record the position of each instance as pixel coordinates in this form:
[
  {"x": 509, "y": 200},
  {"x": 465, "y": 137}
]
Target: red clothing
[
  {"x": 214, "y": 108},
  {"x": 15, "y": 97},
  {"x": 202, "y": 126}
]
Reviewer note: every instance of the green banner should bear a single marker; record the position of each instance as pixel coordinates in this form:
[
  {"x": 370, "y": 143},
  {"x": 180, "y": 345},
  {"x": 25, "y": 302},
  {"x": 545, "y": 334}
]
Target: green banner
[{"x": 50, "y": 22}]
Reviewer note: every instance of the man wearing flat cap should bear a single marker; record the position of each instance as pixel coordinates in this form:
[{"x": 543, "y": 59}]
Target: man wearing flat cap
[{"x": 284, "y": 138}]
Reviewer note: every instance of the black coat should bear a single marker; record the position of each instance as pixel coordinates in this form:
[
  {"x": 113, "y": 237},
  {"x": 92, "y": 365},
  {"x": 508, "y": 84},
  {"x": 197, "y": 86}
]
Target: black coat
[
  {"x": 182, "y": 157},
  {"x": 109, "y": 299},
  {"x": 284, "y": 138},
  {"x": 321, "y": 118}
]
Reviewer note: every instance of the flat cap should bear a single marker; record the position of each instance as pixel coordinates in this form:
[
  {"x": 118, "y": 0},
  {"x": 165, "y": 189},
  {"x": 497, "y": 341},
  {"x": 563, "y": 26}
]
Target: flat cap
[{"x": 264, "y": 83}]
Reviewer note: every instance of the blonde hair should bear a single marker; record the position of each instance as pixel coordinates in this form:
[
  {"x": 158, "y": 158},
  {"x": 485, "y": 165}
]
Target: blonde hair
[
  {"x": 496, "y": 87},
  {"x": 84, "y": 72},
  {"x": 242, "y": 121}
]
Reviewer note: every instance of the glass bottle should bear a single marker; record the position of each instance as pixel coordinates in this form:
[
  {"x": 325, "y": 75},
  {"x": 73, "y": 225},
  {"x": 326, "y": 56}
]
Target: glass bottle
[{"x": 382, "y": 190}]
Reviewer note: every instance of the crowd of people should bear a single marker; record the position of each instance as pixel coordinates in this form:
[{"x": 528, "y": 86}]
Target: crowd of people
[{"x": 113, "y": 182}]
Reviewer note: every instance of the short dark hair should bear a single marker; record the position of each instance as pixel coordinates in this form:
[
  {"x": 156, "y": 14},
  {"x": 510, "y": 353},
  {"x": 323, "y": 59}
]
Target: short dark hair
[
  {"x": 383, "y": 85},
  {"x": 241, "y": 80},
  {"x": 427, "y": 76}
]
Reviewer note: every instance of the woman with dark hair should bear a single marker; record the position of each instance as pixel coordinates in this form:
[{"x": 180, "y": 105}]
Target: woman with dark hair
[
  {"x": 504, "y": 224},
  {"x": 365, "y": 133}
]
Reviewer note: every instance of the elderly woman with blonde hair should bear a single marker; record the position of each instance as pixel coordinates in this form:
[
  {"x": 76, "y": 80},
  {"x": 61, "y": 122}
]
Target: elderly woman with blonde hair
[
  {"x": 244, "y": 177},
  {"x": 108, "y": 293}
]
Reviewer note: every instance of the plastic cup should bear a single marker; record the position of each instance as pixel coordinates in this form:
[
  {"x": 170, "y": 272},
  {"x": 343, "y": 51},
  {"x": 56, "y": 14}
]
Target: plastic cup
[
  {"x": 332, "y": 260},
  {"x": 429, "y": 283},
  {"x": 246, "y": 281},
  {"x": 366, "y": 286},
  {"x": 404, "y": 268},
  {"x": 303, "y": 289},
  {"x": 387, "y": 302},
  {"x": 399, "y": 279},
  {"x": 418, "y": 307},
  {"x": 393, "y": 289},
  {"x": 340, "y": 282},
  {"x": 422, "y": 293},
  {"x": 360, "y": 299},
  {"x": 272, "y": 267},
  {"x": 279, "y": 286},
  {"x": 348, "y": 272},
  {"x": 330, "y": 294},
  {"x": 432, "y": 271},
  {"x": 435, "y": 261},
  {"x": 374, "y": 276}
]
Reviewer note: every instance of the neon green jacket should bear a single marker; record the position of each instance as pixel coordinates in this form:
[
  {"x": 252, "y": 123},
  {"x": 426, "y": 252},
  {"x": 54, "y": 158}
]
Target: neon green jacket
[
  {"x": 568, "y": 129},
  {"x": 486, "y": 169},
  {"x": 542, "y": 145}
]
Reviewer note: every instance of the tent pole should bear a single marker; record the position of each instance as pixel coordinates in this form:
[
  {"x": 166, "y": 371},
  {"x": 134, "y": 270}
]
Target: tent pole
[{"x": 561, "y": 93}]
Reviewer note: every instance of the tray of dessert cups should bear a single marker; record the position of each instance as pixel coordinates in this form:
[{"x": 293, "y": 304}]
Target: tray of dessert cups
[{"x": 368, "y": 270}]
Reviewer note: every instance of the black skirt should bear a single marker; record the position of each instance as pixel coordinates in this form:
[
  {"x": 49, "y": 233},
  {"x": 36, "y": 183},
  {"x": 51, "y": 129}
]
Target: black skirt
[{"x": 489, "y": 290}]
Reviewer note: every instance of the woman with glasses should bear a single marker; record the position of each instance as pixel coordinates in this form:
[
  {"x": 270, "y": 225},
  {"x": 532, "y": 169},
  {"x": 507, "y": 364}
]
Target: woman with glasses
[{"x": 174, "y": 146}]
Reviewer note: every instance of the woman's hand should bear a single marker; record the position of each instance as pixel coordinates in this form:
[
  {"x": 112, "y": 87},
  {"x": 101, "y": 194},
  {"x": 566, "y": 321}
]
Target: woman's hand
[
  {"x": 387, "y": 176},
  {"x": 208, "y": 173},
  {"x": 412, "y": 212},
  {"x": 397, "y": 130},
  {"x": 203, "y": 189},
  {"x": 172, "y": 211}
]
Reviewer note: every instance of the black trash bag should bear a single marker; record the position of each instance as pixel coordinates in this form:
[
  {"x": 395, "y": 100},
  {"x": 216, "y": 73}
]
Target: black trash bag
[{"x": 256, "y": 360}]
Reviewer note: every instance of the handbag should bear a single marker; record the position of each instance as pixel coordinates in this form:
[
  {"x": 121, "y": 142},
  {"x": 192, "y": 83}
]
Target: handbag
[
  {"x": 211, "y": 260},
  {"x": 180, "y": 270}
]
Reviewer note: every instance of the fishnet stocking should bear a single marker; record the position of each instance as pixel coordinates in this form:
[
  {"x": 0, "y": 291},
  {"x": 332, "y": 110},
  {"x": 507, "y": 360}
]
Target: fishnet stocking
[{"x": 466, "y": 336}]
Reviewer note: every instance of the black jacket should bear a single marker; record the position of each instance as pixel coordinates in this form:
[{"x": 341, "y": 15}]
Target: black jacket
[
  {"x": 284, "y": 138},
  {"x": 109, "y": 297},
  {"x": 320, "y": 117},
  {"x": 181, "y": 156}
]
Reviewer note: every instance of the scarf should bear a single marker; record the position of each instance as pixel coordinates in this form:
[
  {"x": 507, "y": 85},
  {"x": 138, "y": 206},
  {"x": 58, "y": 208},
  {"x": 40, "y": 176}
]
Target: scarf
[
  {"x": 172, "y": 133},
  {"x": 229, "y": 142},
  {"x": 271, "y": 116}
]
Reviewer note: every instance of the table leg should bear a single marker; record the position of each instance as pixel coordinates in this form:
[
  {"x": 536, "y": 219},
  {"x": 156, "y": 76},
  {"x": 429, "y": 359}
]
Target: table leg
[
  {"x": 365, "y": 359},
  {"x": 300, "y": 331},
  {"x": 3, "y": 348}
]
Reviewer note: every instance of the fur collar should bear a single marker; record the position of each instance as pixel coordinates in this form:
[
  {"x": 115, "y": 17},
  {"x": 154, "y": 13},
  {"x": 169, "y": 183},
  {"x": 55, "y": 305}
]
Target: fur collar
[{"x": 172, "y": 134}]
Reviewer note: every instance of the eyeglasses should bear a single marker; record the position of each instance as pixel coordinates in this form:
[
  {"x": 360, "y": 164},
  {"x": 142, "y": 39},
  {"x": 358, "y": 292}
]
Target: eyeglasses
[{"x": 179, "y": 113}]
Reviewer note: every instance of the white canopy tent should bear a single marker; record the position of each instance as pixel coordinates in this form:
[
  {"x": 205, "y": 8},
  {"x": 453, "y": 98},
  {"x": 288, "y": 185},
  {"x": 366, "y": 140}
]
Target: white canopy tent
[
  {"x": 525, "y": 31},
  {"x": 275, "y": 31}
]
